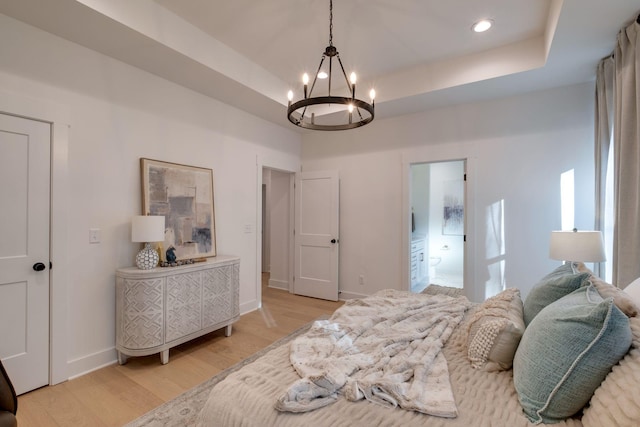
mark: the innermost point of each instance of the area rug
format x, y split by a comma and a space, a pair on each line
183, 410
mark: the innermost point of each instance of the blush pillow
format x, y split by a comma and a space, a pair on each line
630, 305
620, 297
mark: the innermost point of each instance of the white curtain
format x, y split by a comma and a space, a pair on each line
605, 88
626, 141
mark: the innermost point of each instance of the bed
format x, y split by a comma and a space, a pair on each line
481, 379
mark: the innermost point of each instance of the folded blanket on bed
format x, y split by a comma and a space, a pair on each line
385, 348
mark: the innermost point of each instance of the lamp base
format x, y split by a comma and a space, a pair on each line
147, 258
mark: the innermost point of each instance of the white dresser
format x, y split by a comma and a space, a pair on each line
166, 306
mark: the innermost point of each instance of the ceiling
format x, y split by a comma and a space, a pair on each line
418, 54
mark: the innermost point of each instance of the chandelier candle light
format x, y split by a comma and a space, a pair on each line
331, 109
147, 229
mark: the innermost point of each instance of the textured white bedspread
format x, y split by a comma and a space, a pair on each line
246, 397
385, 348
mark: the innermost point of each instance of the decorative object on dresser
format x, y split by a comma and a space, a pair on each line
184, 196
171, 254
162, 308
147, 229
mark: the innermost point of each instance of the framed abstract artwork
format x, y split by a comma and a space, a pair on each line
184, 196
453, 211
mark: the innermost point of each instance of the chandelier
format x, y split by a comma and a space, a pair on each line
330, 112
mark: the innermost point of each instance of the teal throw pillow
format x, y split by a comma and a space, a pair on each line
560, 282
566, 352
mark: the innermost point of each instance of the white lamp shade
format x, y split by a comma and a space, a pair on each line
147, 228
583, 246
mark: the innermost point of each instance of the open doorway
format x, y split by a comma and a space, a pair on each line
316, 258
437, 200
277, 197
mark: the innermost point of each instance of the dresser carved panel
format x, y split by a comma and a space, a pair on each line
219, 289
163, 307
184, 304
143, 300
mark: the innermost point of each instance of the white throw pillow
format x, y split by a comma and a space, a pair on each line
495, 330
633, 290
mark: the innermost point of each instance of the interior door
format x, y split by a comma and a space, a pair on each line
316, 234
24, 250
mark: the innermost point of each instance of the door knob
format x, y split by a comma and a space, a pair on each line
38, 266
334, 241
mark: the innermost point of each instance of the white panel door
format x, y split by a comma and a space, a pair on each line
24, 248
316, 234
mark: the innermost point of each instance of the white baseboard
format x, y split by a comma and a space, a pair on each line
92, 362
248, 307
345, 295
279, 284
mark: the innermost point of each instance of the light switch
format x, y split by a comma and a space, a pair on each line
94, 235
248, 228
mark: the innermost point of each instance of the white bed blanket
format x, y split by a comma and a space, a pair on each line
385, 348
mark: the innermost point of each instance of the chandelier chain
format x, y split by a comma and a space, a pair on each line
330, 22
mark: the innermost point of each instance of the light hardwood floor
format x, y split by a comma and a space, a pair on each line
115, 395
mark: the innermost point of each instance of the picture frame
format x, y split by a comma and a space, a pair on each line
184, 196
453, 208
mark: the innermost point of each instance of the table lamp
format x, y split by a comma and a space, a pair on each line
579, 246
147, 229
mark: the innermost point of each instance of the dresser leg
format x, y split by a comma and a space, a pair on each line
164, 357
227, 331
122, 358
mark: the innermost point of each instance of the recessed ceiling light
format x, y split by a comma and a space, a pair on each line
482, 25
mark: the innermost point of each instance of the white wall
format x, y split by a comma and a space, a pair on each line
118, 114
516, 150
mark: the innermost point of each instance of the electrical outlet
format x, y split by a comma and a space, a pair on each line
361, 280
94, 235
